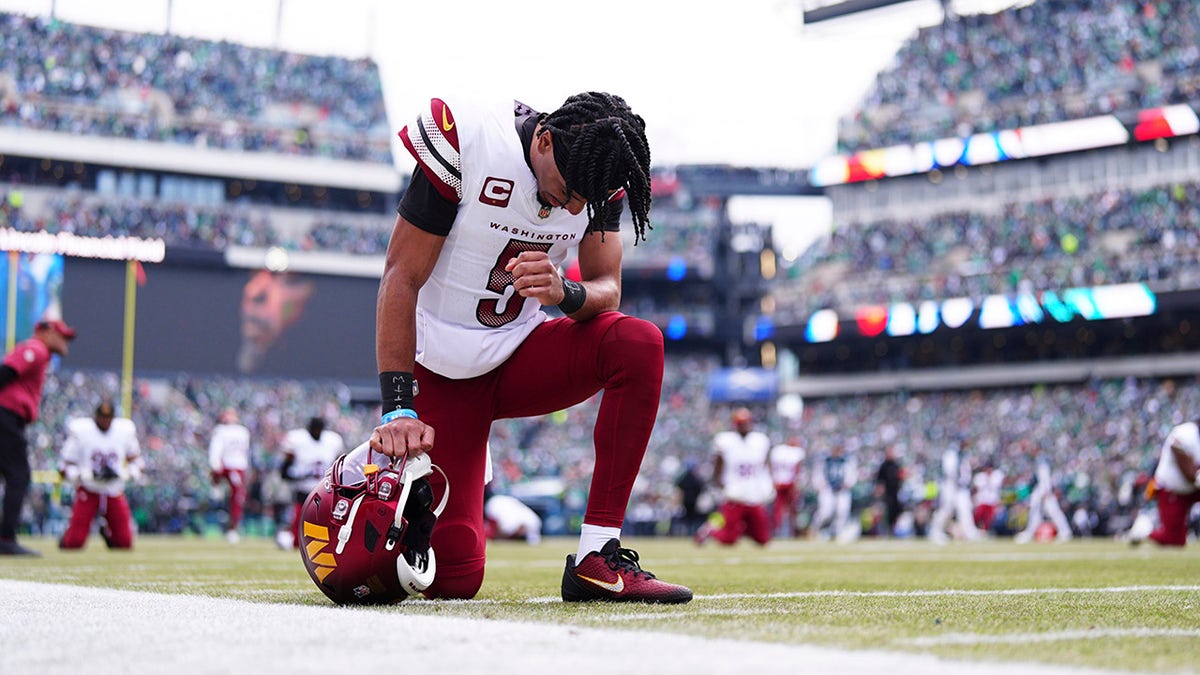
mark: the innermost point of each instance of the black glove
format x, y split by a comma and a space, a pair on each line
107, 472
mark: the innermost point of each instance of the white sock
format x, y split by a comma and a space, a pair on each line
593, 538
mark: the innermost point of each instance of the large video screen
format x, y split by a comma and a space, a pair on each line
29, 290
223, 320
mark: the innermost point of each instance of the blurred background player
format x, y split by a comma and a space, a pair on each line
307, 454
100, 454
786, 461
888, 480
228, 461
1176, 488
507, 517
692, 508
1043, 503
834, 480
741, 470
986, 487
22, 375
954, 499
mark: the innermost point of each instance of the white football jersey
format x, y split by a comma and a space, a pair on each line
115, 453
469, 320
313, 456
988, 486
229, 447
1167, 475
745, 475
510, 515
1043, 478
785, 460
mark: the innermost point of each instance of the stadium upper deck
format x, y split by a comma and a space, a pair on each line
1045, 62
85, 80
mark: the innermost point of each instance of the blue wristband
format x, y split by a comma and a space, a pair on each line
398, 413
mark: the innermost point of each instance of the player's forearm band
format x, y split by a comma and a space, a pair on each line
397, 414
397, 390
574, 295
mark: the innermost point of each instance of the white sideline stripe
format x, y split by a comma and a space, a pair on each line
63, 630
939, 554
1024, 638
919, 593
948, 592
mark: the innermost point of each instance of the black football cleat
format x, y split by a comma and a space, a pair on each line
11, 547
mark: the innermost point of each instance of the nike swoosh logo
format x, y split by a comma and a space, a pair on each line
447, 125
616, 586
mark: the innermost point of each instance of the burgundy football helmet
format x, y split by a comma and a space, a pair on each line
365, 528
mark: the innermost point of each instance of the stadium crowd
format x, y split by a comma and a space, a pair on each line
78, 79
1113, 236
1040, 63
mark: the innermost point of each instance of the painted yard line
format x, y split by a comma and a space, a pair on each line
817, 558
932, 555
919, 593
1058, 636
947, 592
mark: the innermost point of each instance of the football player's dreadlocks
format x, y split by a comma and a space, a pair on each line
599, 146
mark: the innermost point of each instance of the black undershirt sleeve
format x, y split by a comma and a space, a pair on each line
422, 206
7, 374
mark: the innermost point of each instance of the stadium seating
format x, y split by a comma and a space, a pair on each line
1045, 62
1108, 237
82, 79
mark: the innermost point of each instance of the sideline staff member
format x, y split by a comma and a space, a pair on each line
22, 374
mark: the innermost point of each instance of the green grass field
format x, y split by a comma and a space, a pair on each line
1099, 604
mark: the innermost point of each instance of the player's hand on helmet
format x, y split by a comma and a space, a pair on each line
535, 276
402, 437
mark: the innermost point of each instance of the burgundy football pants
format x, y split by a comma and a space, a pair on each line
1173, 511
88, 504
562, 363
743, 519
237, 495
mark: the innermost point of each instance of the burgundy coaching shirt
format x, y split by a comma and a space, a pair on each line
23, 395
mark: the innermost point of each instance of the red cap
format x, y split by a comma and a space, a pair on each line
58, 325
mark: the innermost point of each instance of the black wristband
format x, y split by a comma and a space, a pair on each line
574, 295
397, 390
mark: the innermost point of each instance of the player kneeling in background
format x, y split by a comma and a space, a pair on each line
1176, 488
100, 454
506, 517
741, 468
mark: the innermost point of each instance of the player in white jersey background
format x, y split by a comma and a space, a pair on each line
954, 500
986, 488
307, 454
228, 462
500, 196
1176, 487
101, 453
742, 471
787, 462
1043, 504
507, 517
